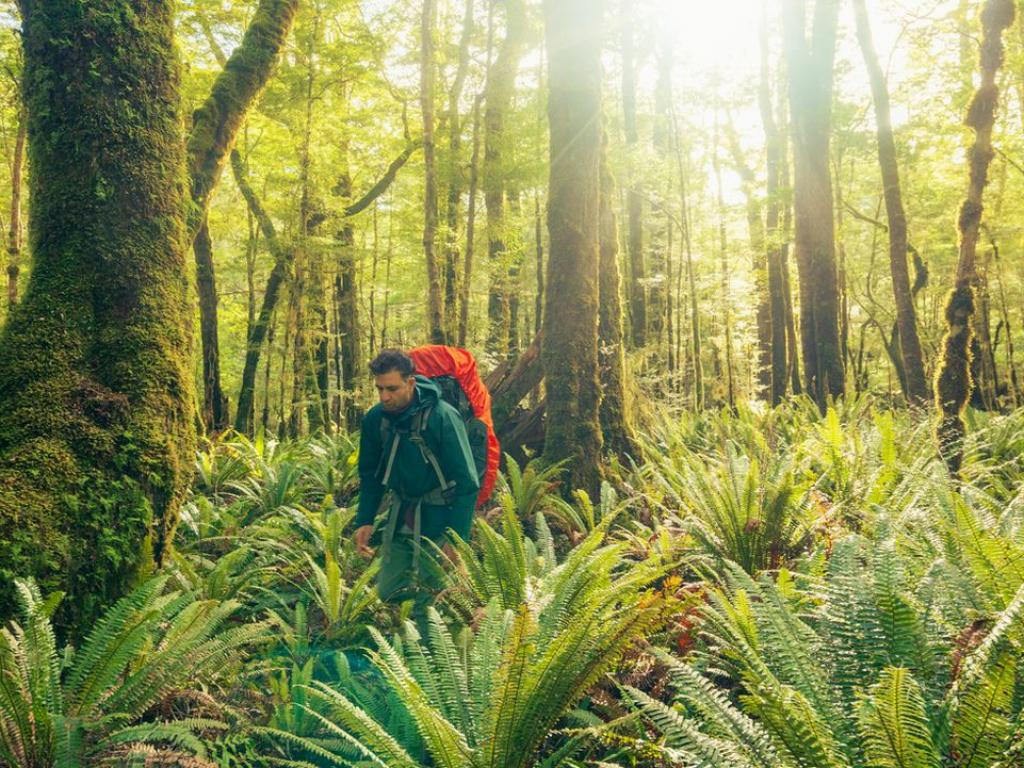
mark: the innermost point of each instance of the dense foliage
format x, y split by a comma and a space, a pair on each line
775, 588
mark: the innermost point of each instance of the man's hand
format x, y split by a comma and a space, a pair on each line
362, 540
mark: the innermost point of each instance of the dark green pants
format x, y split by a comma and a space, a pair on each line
399, 581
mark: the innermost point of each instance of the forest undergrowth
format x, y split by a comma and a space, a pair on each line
769, 588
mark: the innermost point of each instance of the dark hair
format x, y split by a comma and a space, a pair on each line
393, 360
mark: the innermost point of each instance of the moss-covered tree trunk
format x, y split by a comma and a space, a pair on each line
569, 352
953, 378
96, 417
906, 319
498, 98
810, 64
616, 411
14, 224
215, 402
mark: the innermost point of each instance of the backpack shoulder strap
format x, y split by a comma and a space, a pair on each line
419, 426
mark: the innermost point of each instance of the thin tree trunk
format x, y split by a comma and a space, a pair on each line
467, 267
616, 416
455, 178
759, 265
774, 153
810, 65
1014, 388
570, 345
634, 205
695, 335
910, 344
435, 295
346, 288
215, 402
14, 232
499, 89
283, 258
725, 306
953, 381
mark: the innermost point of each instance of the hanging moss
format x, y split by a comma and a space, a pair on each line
96, 411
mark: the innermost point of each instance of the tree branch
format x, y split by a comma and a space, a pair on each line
215, 124
384, 182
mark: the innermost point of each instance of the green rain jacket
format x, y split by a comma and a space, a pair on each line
413, 477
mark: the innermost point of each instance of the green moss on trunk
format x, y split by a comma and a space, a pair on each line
96, 411
569, 347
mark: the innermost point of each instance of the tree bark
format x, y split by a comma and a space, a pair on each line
435, 295
953, 380
96, 415
695, 333
498, 96
215, 402
759, 260
455, 178
773, 236
634, 197
810, 64
910, 344
14, 230
569, 351
347, 291
467, 265
283, 258
616, 410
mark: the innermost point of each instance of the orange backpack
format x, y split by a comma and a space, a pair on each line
454, 371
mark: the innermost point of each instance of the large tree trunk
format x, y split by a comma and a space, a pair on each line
500, 87
569, 351
96, 417
910, 344
435, 295
953, 381
810, 64
616, 411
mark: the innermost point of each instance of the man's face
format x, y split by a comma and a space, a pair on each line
395, 390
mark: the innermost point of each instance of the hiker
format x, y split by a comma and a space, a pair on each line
417, 471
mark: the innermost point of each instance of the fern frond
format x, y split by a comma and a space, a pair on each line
894, 724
